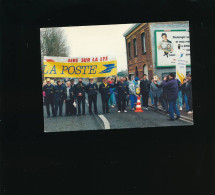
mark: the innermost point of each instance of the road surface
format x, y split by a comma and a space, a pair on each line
112, 120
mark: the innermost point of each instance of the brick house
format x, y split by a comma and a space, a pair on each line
140, 48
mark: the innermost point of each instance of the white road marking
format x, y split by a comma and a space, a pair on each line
105, 121
186, 120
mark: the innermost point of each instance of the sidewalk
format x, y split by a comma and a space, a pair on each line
183, 112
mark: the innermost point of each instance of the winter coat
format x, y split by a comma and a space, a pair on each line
171, 87
144, 86
132, 88
188, 88
156, 91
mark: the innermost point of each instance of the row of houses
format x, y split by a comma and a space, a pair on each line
152, 48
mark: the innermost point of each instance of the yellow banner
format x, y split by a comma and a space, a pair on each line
90, 69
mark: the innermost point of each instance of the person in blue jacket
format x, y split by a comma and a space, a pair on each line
92, 91
58, 98
171, 87
49, 96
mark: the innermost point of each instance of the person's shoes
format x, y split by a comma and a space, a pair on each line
170, 119
112, 106
119, 111
125, 111
178, 117
180, 108
190, 112
132, 109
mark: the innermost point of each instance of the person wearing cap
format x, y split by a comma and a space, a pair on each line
48, 88
92, 91
104, 90
80, 88
63, 84
123, 91
58, 98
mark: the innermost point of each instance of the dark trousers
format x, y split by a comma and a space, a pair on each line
49, 101
121, 103
105, 106
68, 107
58, 103
92, 99
190, 102
81, 100
145, 97
73, 108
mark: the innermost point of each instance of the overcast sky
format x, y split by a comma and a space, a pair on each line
102, 40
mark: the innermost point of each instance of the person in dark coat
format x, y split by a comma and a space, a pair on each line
188, 91
144, 90
171, 87
48, 88
104, 90
184, 96
80, 88
92, 91
123, 91
73, 97
58, 98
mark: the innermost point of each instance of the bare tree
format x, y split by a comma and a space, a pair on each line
52, 43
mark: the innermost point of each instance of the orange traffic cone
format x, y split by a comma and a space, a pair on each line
138, 105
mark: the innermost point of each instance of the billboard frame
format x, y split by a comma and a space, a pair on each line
156, 60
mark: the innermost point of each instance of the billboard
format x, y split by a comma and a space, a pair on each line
168, 44
79, 66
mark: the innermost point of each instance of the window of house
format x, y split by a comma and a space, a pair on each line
143, 38
135, 47
129, 50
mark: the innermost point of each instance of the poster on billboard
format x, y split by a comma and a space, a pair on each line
79, 66
167, 45
181, 66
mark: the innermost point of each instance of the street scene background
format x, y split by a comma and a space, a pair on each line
109, 40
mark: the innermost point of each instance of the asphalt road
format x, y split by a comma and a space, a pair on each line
113, 120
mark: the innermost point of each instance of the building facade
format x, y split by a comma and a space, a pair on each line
138, 48
141, 48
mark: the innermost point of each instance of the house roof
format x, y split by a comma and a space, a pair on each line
131, 29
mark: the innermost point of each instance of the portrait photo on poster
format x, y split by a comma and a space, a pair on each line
119, 76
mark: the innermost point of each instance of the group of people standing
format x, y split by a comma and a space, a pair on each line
117, 92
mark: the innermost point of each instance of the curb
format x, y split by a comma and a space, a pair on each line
182, 117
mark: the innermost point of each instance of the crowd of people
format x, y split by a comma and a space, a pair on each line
116, 92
